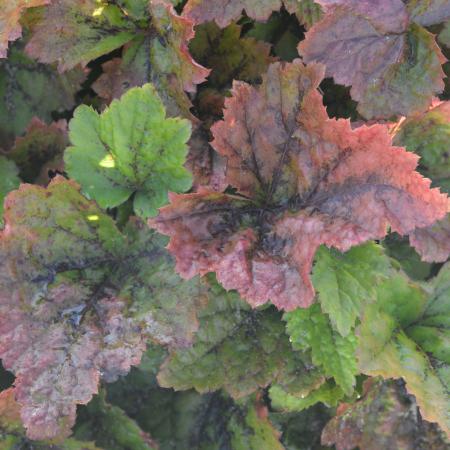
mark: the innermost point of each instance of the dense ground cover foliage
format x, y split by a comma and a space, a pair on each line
224, 224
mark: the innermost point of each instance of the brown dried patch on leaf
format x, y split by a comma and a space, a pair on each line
304, 180
392, 63
10, 28
79, 301
40, 150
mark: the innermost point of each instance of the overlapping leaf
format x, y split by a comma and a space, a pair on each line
303, 180
428, 135
78, 300
235, 348
384, 418
406, 334
29, 89
130, 148
8, 181
10, 28
73, 33
378, 48
224, 12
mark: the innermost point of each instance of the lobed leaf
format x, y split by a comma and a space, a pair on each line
303, 180
385, 417
392, 64
10, 28
79, 300
130, 148
405, 335
310, 330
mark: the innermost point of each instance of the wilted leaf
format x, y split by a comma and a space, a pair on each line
10, 12
327, 393
392, 64
236, 348
310, 330
39, 149
406, 335
385, 418
29, 89
79, 300
303, 180
8, 181
130, 148
345, 283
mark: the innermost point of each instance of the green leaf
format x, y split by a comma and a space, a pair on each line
236, 348
84, 298
8, 181
328, 393
111, 428
131, 148
29, 89
406, 335
311, 330
345, 282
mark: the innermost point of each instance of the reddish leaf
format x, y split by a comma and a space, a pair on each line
393, 65
429, 12
79, 300
304, 180
10, 12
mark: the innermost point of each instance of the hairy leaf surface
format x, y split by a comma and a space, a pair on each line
384, 418
10, 28
303, 180
78, 300
392, 64
405, 334
129, 148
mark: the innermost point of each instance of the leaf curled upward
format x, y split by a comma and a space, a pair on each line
79, 300
380, 49
303, 180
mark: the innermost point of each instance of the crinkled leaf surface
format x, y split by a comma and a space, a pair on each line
235, 348
392, 64
303, 180
78, 300
29, 89
346, 282
384, 418
78, 32
8, 181
129, 148
12, 434
428, 135
39, 149
310, 330
10, 28
158, 45
405, 334
225, 11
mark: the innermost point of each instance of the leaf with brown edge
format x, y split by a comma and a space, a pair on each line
391, 62
10, 28
303, 180
79, 300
